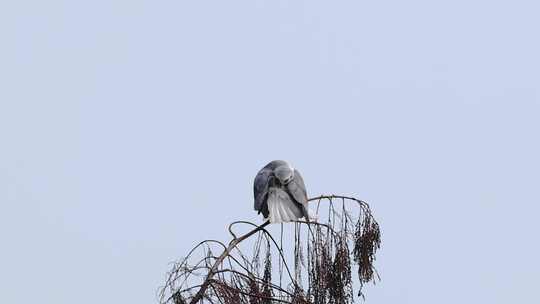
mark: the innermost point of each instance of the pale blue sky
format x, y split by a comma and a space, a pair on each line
129, 130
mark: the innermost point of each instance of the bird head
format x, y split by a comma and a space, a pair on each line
284, 174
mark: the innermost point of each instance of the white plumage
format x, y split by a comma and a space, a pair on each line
282, 209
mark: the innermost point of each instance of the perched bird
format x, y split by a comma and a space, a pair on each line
280, 193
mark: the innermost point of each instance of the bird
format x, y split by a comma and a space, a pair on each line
280, 193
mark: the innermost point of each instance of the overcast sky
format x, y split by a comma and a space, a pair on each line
130, 130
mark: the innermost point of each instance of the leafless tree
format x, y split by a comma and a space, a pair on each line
318, 270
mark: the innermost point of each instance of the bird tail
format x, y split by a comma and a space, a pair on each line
281, 209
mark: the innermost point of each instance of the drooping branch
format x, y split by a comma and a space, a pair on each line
323, 254
220, 259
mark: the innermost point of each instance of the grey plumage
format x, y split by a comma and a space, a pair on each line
280, 193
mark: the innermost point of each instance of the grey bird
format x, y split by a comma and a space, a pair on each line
280, 193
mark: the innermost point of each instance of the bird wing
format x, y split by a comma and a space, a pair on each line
297, 190
260, 187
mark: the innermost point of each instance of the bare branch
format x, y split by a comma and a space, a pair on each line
322, 258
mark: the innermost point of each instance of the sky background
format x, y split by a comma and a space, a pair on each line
130, 130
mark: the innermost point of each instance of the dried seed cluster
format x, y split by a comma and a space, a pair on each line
322, 262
